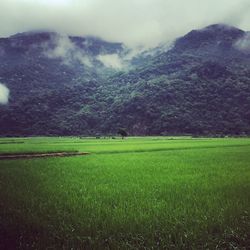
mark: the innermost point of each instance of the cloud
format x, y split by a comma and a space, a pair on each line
244, 43
4, 94
63, 47
111, 61
66, 50
133, 22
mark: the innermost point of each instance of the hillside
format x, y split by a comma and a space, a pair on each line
62, 85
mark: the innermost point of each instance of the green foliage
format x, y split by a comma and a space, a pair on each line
122, 132
197, 88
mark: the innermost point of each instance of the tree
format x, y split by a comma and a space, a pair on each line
122, 132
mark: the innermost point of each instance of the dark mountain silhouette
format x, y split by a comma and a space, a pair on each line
62, 85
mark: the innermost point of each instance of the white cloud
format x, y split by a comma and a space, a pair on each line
4, 94
244, 43
111, 61
83, 59
63, 47
66, 50
134, 22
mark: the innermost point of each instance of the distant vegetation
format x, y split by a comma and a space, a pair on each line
122, 132
201, 86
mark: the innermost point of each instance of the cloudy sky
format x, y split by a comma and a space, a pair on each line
134, 22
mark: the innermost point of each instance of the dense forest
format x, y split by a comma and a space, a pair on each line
200, 85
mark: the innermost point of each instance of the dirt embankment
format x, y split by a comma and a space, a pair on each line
40, 155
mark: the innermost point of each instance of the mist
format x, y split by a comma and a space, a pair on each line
133, 22
67, 51
111, 61
4, 94
244, 43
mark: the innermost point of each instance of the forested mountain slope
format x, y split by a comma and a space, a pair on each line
62, 85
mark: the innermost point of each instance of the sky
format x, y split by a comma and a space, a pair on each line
133, 22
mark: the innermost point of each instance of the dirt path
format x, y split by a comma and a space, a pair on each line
39, 155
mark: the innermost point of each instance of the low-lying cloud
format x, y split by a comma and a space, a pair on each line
133, 22
111, 61
244, 43
4, 94
66, 50
61, 47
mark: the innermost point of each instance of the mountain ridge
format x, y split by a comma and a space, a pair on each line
200, 85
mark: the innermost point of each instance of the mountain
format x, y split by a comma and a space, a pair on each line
200, 86
51, 77
62, 85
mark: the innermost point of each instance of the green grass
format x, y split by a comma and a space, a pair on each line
138, 193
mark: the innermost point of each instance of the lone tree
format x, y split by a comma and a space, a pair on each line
122, 132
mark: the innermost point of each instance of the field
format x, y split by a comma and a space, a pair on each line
137, 193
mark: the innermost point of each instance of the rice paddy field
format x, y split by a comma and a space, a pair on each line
136, 193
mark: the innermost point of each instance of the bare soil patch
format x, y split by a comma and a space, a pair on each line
40, 155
